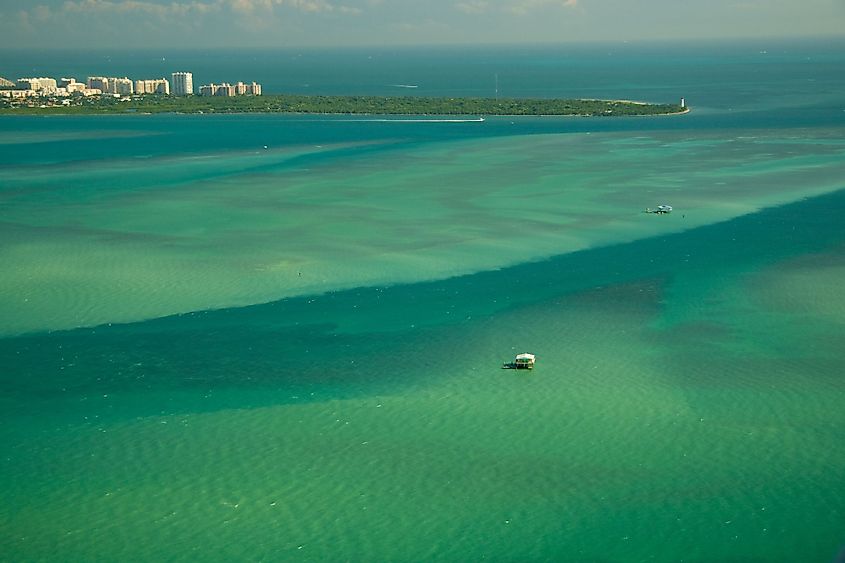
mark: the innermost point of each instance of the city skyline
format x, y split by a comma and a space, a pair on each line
331, 23
31, 91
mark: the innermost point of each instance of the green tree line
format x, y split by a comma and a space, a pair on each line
376, 105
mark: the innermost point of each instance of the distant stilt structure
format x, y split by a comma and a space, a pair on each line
522, 361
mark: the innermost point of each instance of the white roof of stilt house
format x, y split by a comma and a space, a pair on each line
525, 357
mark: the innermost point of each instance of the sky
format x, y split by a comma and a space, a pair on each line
331, 23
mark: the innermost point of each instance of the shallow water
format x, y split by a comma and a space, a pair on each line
215, 404
134, 238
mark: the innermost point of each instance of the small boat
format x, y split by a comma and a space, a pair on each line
661, 209
522, 361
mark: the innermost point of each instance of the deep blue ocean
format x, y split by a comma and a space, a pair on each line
728, 74
743, 85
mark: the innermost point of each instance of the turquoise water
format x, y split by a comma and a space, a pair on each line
212, 350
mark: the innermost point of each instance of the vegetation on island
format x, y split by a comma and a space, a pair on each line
373, 105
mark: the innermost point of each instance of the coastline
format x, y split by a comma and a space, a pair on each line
347, 105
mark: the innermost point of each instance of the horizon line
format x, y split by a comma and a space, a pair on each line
444, 45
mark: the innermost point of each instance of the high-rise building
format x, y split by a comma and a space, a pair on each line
28, 84
157, 86
212, 89
111, 85
43, 85
122, 86
98, 83
183, 83
226, 89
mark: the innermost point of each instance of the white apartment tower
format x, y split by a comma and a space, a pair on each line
45, 85
156, 86
122, 86
183, 83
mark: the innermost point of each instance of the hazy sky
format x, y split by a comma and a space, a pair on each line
209, 23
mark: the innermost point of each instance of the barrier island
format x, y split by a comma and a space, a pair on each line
341, 105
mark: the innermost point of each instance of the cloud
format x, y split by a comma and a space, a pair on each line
522, 7
473, 6
24, 21
139, 6
251, 6
264, 15
320, 6
42, 13
519, 7
147, 22
195, 7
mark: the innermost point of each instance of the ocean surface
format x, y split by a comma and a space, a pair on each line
279, 337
